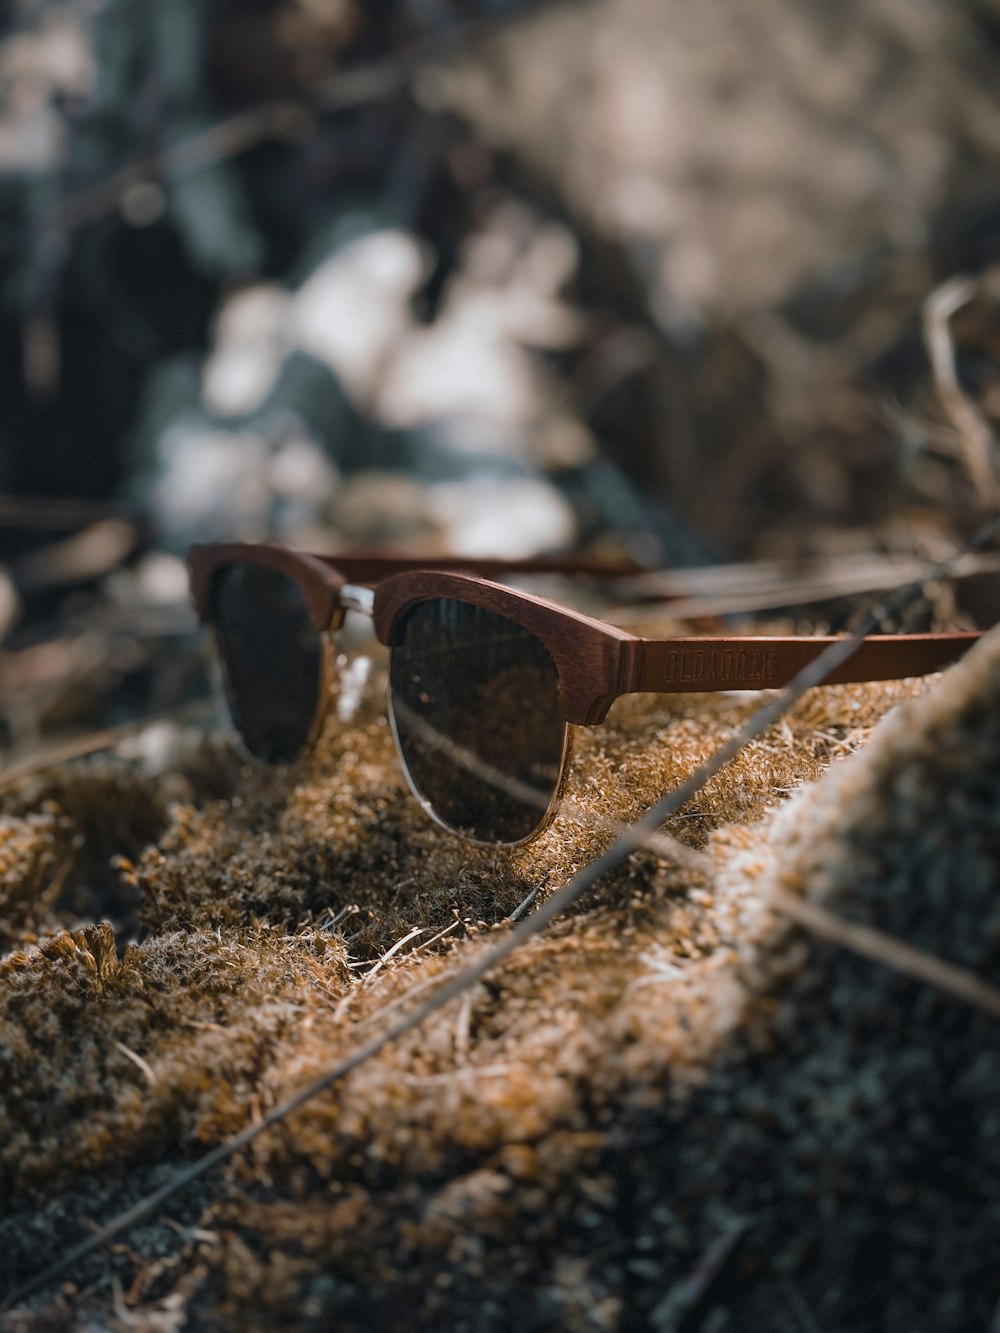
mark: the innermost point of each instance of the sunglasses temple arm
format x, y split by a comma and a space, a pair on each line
372, 568
677, 666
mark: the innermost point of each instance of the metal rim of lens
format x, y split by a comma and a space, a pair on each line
545, 819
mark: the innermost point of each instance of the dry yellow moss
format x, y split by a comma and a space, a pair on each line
460, 1167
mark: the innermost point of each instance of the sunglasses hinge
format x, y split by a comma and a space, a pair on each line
354, 598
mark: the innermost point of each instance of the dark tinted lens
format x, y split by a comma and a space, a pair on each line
272, 659
475, 703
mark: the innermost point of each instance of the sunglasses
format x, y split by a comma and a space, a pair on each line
484, 681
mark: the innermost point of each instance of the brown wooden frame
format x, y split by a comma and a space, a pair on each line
321, 576
596, 662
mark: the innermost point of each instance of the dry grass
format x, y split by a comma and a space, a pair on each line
517, 1157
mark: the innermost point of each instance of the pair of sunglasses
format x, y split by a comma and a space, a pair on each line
484, 681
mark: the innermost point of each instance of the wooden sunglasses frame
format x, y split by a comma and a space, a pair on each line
596, 662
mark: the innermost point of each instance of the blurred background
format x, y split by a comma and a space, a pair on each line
694, 284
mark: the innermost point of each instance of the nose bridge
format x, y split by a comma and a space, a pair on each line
354, 597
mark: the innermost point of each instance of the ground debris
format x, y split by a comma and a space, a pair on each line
543, 1153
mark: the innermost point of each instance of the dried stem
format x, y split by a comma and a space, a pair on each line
975, 435
891, 952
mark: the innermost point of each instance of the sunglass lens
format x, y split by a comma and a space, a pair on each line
475, 709
271, 658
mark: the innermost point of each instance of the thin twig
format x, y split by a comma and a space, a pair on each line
974, 433
740, 589
96, 741
663, 845
49, 512
801, 1312
429, 944
675, 1311
93, 551
891, 952
391, 953
143, 1065
463, 1029
523, 905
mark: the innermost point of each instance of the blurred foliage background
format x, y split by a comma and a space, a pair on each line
489, 276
